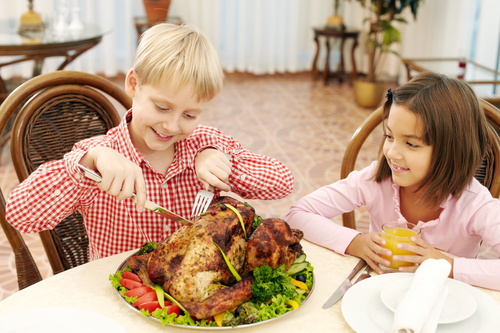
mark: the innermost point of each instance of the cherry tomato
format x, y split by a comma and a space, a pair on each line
148, 297
130, 284
138, 291
131, 276
173, 309
150, 306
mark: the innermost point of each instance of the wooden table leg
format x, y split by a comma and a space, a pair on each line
340, 70
354, 72
76, 53
327, 59
314, 68
37, 66
408, 72
3, 90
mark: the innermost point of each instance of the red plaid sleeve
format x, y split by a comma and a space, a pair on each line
57, 188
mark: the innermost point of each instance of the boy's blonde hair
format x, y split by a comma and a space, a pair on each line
182, 53
454, 125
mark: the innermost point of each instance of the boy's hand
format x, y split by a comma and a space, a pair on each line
120, 177
368, 246
213, 168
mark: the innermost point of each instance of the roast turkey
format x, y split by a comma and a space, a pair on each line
189, 264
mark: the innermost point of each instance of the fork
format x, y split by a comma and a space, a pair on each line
365, 275
204, 198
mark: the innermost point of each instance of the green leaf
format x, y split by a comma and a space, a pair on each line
160, 295
173, 300
231, 268
270, 282
239, 217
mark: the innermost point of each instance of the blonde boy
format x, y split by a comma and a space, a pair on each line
159, 151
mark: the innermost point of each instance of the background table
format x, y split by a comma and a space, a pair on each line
38, 46
87, 287
328, 33
484, 80
142, 24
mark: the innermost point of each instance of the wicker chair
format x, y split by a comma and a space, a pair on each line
27, 271
52, 112
488, 174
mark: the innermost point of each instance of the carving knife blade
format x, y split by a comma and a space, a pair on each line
341, 290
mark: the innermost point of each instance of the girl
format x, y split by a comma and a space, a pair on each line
436, 135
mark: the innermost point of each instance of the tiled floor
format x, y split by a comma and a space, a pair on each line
293, 118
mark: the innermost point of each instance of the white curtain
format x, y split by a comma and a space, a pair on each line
257, 36
443, 28
272, 36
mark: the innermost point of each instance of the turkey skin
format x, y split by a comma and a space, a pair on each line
190, 266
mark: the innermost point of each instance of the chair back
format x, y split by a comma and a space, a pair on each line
52, 112
488, 173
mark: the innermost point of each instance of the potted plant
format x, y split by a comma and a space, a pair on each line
382, 34
156, 10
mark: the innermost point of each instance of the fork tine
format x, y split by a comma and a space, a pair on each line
204, 206
196, 204
204, 198
202, 202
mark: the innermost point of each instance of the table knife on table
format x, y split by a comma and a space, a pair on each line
149, 205
341, 290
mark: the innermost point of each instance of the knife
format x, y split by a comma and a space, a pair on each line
91, 174
341, 290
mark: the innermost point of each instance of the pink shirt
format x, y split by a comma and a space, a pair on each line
460, 228
58, 188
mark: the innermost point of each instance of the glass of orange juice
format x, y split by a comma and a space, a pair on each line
398, 232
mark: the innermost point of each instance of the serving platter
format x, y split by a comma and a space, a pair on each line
216, 328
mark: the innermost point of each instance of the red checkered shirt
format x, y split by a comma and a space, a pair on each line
58, 188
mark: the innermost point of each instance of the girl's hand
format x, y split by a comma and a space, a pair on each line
120, 177
213, 168
368, 246
423, 251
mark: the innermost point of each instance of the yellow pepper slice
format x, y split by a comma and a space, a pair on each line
219, 317
299, 284
292, 303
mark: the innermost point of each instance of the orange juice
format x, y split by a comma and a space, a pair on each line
398, 232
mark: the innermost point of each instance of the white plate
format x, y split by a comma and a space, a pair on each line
459, 305
364, 311
58, 320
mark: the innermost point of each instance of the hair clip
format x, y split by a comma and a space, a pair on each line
389, 95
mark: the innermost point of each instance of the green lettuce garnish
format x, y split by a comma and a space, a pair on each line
271, 282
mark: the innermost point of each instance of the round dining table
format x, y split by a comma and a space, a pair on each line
36, 46
87, 288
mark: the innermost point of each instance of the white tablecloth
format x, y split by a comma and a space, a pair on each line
87, 287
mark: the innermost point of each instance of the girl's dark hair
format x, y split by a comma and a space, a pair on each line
454, 125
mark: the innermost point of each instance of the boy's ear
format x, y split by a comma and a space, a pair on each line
131, 83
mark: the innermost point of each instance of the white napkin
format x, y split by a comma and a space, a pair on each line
421, 306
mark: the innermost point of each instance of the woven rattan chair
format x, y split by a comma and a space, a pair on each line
52, 112
27, 271
488, 174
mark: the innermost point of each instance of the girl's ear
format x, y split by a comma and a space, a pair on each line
131, 84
